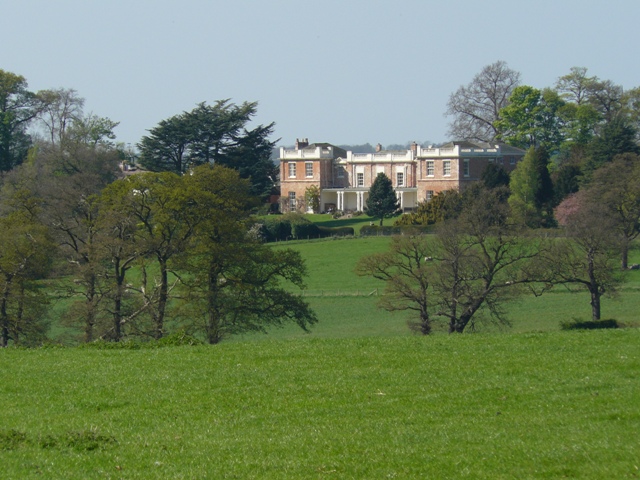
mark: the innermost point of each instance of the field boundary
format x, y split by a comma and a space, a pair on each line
340, 293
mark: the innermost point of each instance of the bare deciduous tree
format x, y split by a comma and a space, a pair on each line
586, 257
407, 270
616, 186
476, 107
60, 108
475, 264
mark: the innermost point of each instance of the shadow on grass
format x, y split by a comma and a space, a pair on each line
356, 222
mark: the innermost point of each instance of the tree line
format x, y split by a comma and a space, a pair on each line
580, 173
481, 256
575, 127
176, 248
118, 257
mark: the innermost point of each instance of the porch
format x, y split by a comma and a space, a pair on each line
355, 199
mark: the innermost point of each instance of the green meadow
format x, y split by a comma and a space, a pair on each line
359, 397
346, 303
544, 405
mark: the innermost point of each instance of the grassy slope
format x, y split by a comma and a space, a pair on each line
478, 406
331, 266
358, 398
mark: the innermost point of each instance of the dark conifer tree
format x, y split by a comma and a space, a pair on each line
382, 201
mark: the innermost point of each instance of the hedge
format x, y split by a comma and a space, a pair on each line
376, 230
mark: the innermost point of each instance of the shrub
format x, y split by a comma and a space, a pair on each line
178, 339
335, 231
275, 228
105, 345
376, 230
589, 325
303, 230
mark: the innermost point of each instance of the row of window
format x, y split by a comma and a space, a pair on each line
430, 171
399, 179
308, 169
446, 168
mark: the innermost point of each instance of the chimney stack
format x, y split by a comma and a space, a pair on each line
414, 148
301, 143
378, 148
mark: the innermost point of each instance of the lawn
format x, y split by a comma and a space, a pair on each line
358, 397
547, 405
332, 285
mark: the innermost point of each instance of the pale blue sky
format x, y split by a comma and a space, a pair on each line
338, 71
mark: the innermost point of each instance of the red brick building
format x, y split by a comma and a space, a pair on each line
344, 178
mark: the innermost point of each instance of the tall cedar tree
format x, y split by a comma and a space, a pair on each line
617, 137
382, 201
213, 134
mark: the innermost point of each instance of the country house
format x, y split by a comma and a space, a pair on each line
344, 178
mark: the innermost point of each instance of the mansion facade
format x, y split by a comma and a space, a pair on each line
344, 178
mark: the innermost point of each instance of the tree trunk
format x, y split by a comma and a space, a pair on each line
162, 300
456, 326
90, 319
594, 289
117, 315
214, 331
425, 322
624, 254
4, 316
117, 303
595, 304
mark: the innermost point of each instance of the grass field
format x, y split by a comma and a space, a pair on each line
360, 397
553, 405
346, 303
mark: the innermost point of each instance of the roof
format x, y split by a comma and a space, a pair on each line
504, 148
341, 152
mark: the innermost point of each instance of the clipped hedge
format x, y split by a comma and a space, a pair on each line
377, 230
280, 228
305, 230
336, 231
589, 325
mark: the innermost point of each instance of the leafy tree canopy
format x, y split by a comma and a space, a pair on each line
18, 107
532, 118
213, 134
